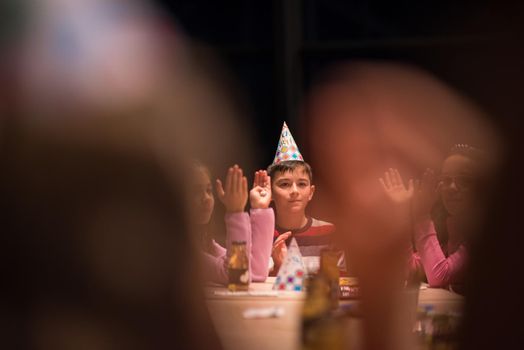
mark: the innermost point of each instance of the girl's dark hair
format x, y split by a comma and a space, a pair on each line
59, 200
196, 164
439, 214
206, 240
466, 150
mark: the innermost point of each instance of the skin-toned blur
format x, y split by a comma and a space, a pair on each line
367, 117
107, 100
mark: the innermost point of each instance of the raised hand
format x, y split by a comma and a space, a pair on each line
426, 195
234, 194
279, 251
260, 194
394, 188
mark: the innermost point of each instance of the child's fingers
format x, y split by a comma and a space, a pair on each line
286, 234
229, 180
278, 244
260, 178
388, 179
256, 179
283, 252
411, 185
398, 178
240, 180
244, 185
235, 179
265, 179
279, 239
393, 177
283, 237
279, 248
384, 187
219, 189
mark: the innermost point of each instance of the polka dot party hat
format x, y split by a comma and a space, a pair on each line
292, 272
287, 149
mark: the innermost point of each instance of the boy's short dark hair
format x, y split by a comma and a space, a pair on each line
290, 165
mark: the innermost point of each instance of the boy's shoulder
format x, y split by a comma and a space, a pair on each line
319, 227
314, 227
318, 223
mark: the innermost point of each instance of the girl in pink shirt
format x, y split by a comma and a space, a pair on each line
442, 215
256, 229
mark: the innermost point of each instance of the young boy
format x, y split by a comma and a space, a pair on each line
292, 190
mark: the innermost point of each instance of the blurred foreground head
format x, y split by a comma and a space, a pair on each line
76, 64
365, 118
97, 249
109, 103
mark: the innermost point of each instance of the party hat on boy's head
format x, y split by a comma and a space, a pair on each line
287, 149
291, 273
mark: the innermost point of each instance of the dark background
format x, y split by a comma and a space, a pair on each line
276, 49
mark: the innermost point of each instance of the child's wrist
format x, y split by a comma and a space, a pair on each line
234, 210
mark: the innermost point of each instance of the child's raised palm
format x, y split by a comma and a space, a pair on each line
260, 194
234, 195
394, 188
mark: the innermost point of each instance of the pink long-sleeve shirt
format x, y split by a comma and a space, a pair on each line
441, 271
256, 229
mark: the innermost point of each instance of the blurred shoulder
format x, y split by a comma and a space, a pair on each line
328, 226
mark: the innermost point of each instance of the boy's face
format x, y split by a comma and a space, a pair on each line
292, 191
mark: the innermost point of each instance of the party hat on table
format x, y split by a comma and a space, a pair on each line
291, 273
287, 149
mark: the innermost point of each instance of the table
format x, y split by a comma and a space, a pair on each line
236, 332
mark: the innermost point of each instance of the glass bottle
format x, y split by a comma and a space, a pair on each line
238, 267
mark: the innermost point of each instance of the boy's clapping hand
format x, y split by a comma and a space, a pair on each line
280, 250
234, 195
260, 194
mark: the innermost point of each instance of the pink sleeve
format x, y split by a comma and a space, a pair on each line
262, 228
215, 264
217, 250
414, 263
238, 228
440, 271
